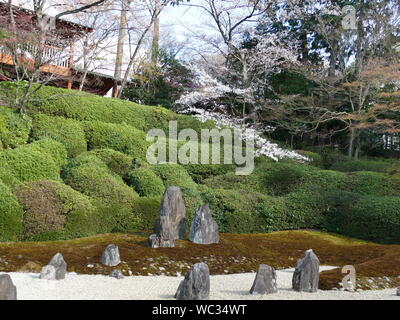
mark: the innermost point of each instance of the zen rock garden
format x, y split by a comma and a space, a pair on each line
172, 222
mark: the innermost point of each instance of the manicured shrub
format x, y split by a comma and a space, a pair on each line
360, 165
283, 178
116, 161
53, 148
98, 182
123, 138
33, 162
315, 158
200, 172
55, 211
234, 211
364, 217
250, 183
372, 183
66, 131
14, 129
145, 182
11, 215
148, 208
176, 175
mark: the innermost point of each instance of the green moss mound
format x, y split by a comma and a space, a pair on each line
116, 161
11, 214
14, 129
66, 131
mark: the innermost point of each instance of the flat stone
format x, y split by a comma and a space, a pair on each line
204, 229
110, 256
8, 291
116, 274
265, 281
306, 274
60, 265
196, 285
48, 273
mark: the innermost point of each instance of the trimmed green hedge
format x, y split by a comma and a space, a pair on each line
66, 131
39, 160
123, 138
11, 215
148, 209
55, 211
14, 129
116, 161
360, 165
145, 182
372, 183
370, 218
99, 182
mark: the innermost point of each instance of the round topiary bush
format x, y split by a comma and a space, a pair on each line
98, 182
148, 208
14, 129
39, 160
123, 138
116, 161
55, 211
66, 131
11, 214
145, 182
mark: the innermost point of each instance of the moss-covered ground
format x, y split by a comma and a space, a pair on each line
377, 266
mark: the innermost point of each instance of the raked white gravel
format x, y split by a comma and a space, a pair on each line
223, 287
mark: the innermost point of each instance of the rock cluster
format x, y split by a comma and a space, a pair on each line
196, 285
265, 281
110, 256
8, 291
204, 230
172, 222
306, 274
56, 269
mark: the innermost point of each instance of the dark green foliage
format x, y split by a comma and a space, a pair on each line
39, 160
66, 131
200, 172
14, 129
123, 138
365, 217
362, 165
11, 215
372, 183
283, 178
148, 209
231, 181
55, 211
145, 182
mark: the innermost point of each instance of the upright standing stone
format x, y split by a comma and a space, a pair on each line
204, 230
169, 227
306, 274
196, 285
48, 273
7, 289
265, 281
56, 269
398, 291
110, 256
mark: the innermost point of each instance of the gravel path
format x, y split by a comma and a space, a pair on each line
223, 287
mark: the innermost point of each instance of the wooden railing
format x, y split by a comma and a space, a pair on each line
52, 56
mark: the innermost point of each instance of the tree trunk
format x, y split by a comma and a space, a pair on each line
351, 143
156, 36
120, 46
